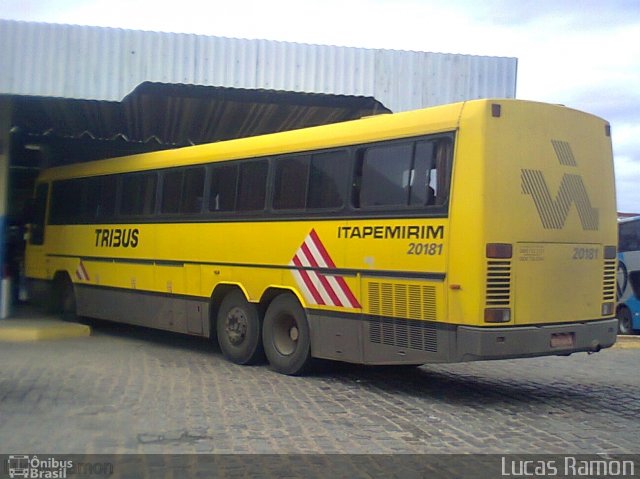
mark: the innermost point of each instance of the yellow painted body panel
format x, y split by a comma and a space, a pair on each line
550, 285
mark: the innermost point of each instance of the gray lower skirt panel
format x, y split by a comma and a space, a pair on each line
378, 340
171, 313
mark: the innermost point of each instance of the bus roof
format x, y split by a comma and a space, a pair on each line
368, 129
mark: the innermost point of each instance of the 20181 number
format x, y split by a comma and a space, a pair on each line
430, 249
585, 253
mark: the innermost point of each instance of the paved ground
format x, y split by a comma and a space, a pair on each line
126, 390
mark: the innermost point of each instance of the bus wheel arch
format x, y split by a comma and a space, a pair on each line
624, 320
237, 324
286, 335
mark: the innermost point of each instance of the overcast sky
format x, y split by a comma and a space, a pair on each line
582, 53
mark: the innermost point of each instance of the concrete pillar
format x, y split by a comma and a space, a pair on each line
5, 132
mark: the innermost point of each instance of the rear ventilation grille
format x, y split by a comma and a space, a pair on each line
409, 301
498, 283
402, 333
609, 281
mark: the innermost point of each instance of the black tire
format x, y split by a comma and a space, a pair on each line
286, 336
62, 300
68, 302
624, 321
239, 330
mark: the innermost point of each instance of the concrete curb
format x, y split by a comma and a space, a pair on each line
627, 342
19, 330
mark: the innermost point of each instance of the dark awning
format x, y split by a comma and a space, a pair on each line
158, 116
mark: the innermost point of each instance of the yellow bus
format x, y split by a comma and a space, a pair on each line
478, 230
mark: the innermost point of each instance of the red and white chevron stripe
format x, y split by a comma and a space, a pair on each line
81, 272
318, 287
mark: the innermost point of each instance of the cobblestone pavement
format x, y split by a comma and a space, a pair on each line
126, 390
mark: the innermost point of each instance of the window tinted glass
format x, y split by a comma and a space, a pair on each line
290, 183
192, 191
171, 191
39, 210
327, 179
630, 236
423, 177
138, 194
412, 174
253, 185
386, 174
100, 194
222, 187
441, 177
66, 202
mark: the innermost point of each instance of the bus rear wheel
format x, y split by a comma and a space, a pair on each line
239, 330
286, 336
624, 321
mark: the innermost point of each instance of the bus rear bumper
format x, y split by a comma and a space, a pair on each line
474, 343
381, 340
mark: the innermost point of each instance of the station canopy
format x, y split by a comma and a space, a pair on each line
157, 116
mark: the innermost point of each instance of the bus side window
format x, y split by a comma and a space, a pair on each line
100, 198
36, 232
182, 190
192, 190
386, 175
171, 191
327, 179
222, 187
290, 182
66, 202
252, 188
138, 194
423, 185
443, 165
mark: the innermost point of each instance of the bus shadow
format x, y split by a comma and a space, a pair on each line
158, 337
453, 386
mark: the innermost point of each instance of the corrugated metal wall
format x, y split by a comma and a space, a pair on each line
106, 64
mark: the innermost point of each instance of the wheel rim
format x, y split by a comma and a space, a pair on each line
236, 325
285, 334
625, 325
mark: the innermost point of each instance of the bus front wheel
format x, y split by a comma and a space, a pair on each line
63, 298
239, 330
624, 321
287, 340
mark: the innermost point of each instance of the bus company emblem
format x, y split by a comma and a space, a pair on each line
553, 212
317, 286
